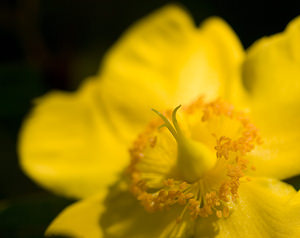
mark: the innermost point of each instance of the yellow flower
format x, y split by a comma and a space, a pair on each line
212, 170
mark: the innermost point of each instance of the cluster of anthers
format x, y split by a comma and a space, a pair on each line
198, 198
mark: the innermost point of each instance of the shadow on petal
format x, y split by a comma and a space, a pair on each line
125, 217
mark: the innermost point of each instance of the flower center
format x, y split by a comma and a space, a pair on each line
197, 162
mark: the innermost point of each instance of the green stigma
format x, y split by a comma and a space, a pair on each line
194, 159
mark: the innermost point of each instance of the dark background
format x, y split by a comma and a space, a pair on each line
54, 44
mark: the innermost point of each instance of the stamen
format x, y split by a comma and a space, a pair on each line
201, 194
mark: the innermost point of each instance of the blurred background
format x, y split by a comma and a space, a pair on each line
54, 44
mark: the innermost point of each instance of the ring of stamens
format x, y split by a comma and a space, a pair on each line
230, 152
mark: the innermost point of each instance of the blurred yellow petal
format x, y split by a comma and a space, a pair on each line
165, 60
76, 144
263, 210
119, 215
271, 73
68, 146
231, 54
292, 214
278, 156
81, 219
272, 67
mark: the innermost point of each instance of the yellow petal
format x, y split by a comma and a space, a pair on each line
278, 155
263, 210
272, 67
266, 208
271, 73
291, 215
119, 215
68, 146
231, 54
165, 60
76, 145
81, 219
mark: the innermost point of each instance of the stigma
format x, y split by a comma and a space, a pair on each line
195, 157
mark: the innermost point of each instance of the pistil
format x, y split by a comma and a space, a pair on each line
194, 158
